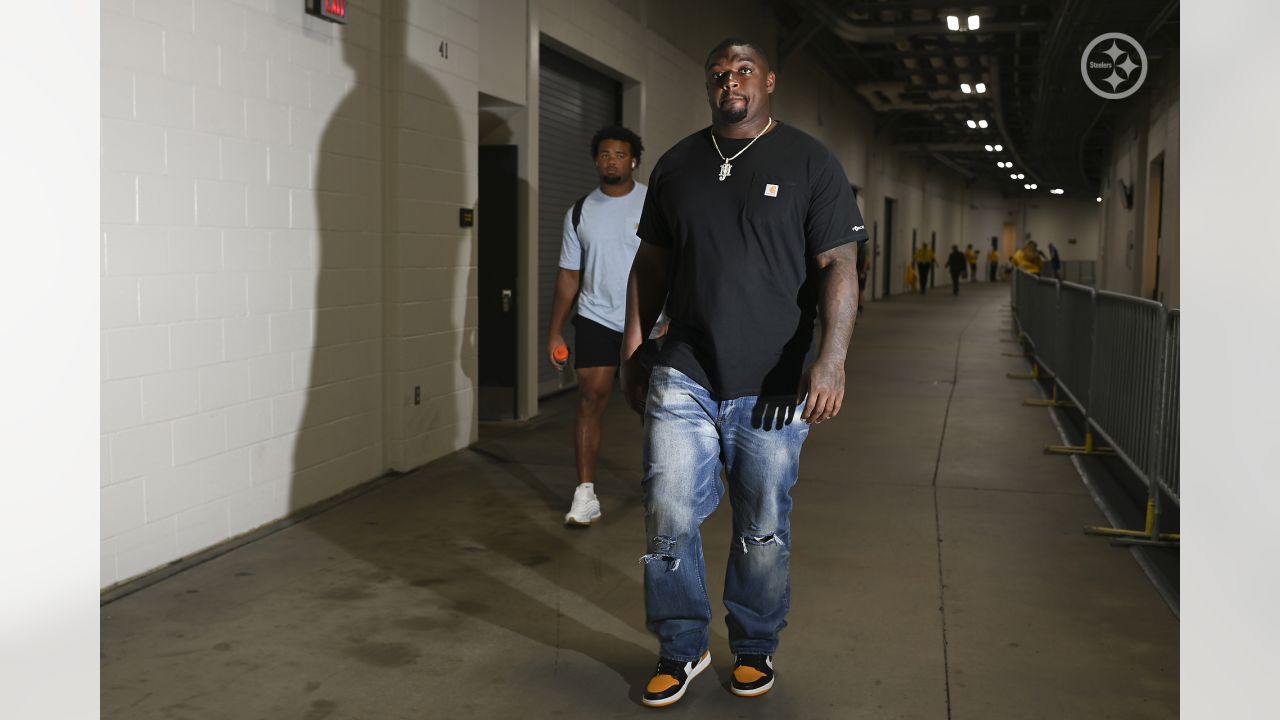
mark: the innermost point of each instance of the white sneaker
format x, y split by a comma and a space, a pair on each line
586, 506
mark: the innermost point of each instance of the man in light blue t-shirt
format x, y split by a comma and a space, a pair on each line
599, 244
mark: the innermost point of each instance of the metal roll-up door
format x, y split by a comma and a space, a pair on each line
574, 102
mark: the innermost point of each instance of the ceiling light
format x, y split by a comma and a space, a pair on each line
1013, 176
980, 87
964, 88
999, 148
1021, 176
1000, 164
988, 147
982, 124
1025, 186
1099, 199
973, 22
972, 124
953, 22
1034, 186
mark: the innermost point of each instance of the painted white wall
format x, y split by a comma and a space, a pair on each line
1056, 219
986, 215
261, 332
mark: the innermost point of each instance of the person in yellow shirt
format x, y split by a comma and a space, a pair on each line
993, 265
1029, 258
924, 261
971, 257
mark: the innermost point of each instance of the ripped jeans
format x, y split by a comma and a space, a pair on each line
688, 437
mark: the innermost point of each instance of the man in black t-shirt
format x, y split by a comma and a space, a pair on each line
747, 234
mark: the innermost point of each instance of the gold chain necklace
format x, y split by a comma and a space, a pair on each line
727, 168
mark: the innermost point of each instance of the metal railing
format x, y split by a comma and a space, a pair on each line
1115, 357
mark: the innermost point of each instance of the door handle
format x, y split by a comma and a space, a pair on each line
506, 300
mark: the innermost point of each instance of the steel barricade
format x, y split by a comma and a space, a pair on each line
1073, 370
1116, 357
1044, 321
1167, 444
1024, 306
1126, 374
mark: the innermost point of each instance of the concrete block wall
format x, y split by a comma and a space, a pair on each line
433, 77
254, 334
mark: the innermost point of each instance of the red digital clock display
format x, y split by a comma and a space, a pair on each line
332, 10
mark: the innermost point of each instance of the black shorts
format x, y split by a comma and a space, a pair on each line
597, 345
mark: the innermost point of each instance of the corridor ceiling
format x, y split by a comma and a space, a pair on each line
903, 60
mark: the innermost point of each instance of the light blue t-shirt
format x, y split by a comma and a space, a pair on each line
602, 249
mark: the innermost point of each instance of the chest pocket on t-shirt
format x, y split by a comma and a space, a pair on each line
773, 203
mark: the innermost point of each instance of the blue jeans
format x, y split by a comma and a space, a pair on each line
688, 437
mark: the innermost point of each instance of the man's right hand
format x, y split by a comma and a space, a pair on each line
556, 340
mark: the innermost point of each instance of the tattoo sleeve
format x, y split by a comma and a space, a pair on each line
837, 300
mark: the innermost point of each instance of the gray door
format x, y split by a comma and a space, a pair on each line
574, 102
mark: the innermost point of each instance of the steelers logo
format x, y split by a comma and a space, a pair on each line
1113, 66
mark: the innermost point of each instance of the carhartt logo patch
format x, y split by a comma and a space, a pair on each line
771, 190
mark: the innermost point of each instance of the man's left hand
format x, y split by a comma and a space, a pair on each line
824, 383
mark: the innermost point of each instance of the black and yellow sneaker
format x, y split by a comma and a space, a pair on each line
671, 679
752, 675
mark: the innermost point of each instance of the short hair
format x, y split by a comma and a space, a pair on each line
729, 42
617, 132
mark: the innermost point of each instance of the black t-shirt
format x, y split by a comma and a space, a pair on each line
743, 292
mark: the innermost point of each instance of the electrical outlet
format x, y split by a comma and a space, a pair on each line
417, 394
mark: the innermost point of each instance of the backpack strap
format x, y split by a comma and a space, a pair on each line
577, 211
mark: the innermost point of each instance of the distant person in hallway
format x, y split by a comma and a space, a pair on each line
971, 257
1028, 258
993, 265
596, 250
956, 265
924, 262
748, 233
1055, 262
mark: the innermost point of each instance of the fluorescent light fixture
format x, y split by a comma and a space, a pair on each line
972, 125
980, 87
973, 22
988, 147
982, 124
964, 88
953, 22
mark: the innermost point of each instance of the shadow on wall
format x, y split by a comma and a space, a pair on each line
392, 312
391, 308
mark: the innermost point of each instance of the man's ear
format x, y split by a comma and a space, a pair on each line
769, 81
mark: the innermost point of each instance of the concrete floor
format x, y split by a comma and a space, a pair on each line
939, 572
